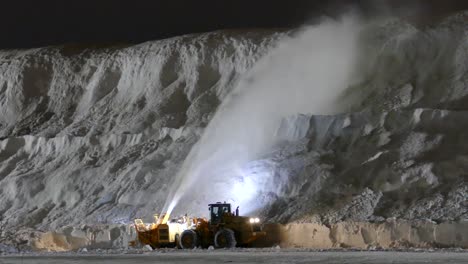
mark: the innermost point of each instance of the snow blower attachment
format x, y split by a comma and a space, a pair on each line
162, 232
225, 229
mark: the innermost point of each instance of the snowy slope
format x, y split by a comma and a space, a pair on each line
96, 135
404, 153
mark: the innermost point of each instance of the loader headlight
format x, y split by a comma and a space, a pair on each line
254, 220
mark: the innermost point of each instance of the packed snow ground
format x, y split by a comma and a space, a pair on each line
251, 257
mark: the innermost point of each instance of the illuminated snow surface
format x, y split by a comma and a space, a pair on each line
253, 257
341, 121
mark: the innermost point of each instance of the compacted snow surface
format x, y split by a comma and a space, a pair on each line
253, 257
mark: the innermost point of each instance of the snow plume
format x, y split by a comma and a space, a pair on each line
305, 73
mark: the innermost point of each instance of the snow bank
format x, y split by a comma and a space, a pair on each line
89, 237
389, 234
365, 235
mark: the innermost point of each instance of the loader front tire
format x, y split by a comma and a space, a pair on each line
188, 239
225, 238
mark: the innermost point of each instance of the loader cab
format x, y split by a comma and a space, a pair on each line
217, 210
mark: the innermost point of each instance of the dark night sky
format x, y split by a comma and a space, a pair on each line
34, 23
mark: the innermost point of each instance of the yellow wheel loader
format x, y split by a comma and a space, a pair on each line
225, 229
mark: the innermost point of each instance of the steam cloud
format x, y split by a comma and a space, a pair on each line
303, 74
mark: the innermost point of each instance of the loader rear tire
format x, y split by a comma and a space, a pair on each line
188, 239
225, 238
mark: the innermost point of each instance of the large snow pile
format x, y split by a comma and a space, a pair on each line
96, 135
99, 135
